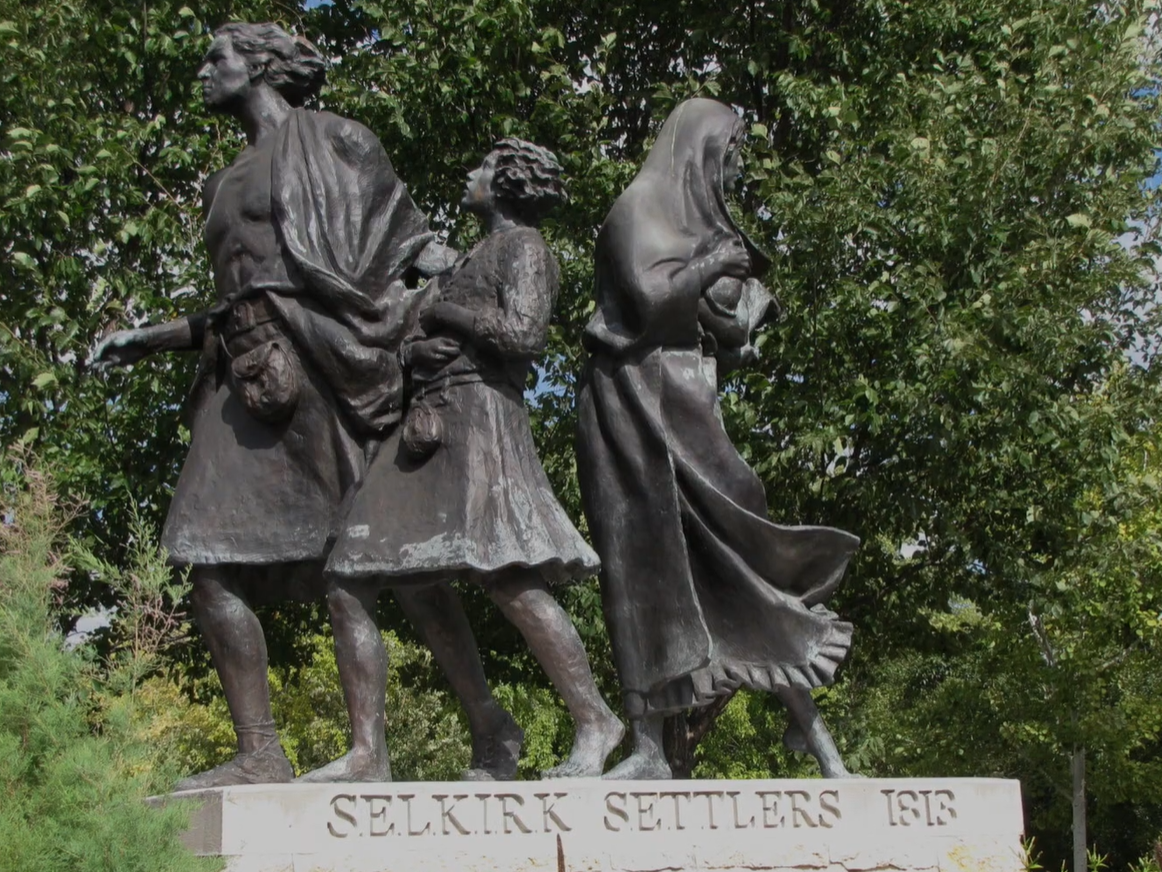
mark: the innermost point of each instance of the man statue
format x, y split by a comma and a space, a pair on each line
310, 235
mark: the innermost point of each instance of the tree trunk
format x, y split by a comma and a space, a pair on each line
679, 748
1080, 857
685, 730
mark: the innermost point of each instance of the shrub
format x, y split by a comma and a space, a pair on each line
74, 766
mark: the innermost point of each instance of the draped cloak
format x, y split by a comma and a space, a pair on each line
702, 594
347, 230
351, 229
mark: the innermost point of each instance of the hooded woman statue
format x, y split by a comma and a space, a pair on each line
702, 593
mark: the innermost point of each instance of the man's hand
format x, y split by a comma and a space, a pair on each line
120, 349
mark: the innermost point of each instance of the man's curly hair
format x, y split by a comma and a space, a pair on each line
528, 177
290, 64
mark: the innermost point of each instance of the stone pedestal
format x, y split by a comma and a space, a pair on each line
589, 825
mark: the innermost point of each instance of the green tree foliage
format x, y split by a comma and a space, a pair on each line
104, 148
74, 766
1028, 684
946, 187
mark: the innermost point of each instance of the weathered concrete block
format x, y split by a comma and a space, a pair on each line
588, 825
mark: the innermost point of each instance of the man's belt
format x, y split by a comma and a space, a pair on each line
244, 315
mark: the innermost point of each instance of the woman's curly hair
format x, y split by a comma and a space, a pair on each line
528, 177
290, 64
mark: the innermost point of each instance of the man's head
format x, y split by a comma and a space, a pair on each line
243, 57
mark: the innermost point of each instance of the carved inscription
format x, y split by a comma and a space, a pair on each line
919, 808
366, 815
675, 810
723, 807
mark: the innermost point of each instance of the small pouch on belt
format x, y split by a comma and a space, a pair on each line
423, 431
266, 380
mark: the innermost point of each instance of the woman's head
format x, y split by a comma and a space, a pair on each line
701, 141
680, 191
242, 55
524, 177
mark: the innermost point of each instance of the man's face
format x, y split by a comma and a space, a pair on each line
478, 194
224, 74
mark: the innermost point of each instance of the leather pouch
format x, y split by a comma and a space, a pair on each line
266, 380
423, 431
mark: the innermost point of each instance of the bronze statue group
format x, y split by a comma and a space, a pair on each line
358, 423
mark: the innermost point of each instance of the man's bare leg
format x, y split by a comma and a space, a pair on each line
238, 650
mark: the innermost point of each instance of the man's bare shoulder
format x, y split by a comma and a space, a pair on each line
210, 188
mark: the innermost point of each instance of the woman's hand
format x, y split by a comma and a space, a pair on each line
733, 259
727, 259
433, 353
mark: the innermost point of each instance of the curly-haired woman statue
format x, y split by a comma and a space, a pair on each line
459, 490
702, 593
308, 232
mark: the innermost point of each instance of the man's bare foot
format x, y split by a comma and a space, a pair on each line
351, 767
591, 746
495, 755
267, 766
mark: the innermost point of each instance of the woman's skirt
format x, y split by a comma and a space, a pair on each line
702, 594
481, 504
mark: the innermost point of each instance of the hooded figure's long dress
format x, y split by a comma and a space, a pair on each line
702, 594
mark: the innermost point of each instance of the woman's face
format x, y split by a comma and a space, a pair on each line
478, 194
732, 166
224, 74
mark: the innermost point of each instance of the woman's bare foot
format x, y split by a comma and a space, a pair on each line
648, 760
640, 766
591, 746
831, 767
808, 732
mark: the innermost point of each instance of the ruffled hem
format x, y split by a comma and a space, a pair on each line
724, 676
554, 572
